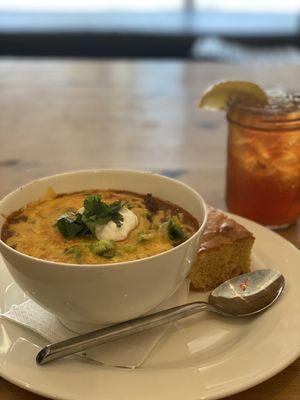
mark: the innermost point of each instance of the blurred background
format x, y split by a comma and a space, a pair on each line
236, 31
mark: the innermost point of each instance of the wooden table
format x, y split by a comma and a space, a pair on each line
63, 115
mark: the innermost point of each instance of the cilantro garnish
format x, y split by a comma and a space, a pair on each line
102, 213
175, 231
70, 225
96, 212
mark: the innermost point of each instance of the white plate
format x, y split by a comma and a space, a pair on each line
204, 357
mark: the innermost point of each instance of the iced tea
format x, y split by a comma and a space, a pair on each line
263, 164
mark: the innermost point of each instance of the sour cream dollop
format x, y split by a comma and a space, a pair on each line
111, 231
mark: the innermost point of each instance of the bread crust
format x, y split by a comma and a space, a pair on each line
224, 252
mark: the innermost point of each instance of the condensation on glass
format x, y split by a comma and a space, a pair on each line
263, 159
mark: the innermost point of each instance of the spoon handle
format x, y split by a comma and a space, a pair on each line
83, 342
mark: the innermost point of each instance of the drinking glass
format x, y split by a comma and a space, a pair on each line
263, 160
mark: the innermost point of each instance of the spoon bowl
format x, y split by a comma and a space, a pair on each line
242, 296
247, 294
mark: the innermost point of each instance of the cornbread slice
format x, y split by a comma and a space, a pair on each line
225, 249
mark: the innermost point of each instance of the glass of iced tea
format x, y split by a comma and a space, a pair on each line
263, 159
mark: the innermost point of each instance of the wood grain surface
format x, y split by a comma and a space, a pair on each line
58, 115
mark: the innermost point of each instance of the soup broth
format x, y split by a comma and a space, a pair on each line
97, 227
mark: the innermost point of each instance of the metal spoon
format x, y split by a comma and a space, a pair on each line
242, 296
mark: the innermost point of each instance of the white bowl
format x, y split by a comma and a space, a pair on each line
87, 296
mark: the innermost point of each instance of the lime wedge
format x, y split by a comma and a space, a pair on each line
219, 95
